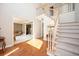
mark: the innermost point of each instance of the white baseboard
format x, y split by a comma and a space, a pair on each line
7, 46
13, 44
20, 41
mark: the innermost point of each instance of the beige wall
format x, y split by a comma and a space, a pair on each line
17, 27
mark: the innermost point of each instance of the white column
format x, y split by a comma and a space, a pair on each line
33, 30
36, 29
24, 28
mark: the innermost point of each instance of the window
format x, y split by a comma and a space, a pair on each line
51, 11
71, 7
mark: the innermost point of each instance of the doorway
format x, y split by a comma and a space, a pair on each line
28, 29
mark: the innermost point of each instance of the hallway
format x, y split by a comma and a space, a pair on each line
29, 48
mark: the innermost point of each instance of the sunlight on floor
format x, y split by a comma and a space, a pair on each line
11, 52
35, 43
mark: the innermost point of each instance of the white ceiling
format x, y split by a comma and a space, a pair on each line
42, 5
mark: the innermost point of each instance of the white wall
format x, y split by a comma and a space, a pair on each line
65, 15
64, 8
8, 12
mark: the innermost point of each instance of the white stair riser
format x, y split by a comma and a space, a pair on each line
70, 27
68, 40
69, 31
68, 35
68, 47
60, 52
69, 24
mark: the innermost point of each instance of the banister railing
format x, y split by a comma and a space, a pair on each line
52, 36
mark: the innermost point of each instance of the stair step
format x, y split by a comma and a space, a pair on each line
74, 36
69, 27
69, 24
68, 40
68, 31
73, 49
75, 22
62, 52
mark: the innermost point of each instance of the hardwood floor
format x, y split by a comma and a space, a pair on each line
29, 48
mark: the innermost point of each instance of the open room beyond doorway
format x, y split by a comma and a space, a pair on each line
22, 30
